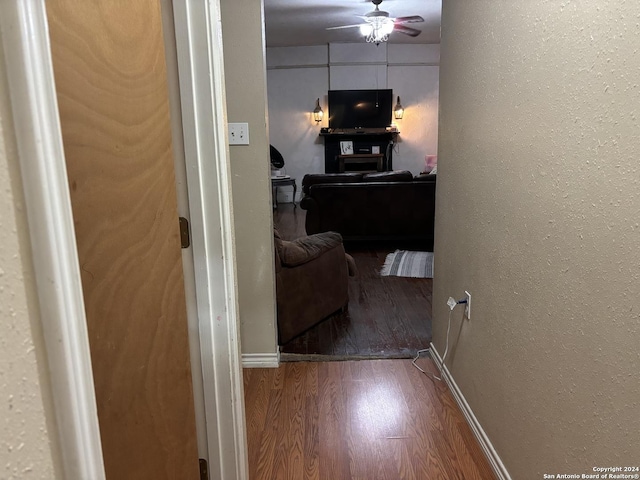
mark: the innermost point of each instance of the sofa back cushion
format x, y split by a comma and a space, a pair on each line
425, 177
318, 178
393, 176
372, 210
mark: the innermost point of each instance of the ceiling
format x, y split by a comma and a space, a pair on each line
303, 22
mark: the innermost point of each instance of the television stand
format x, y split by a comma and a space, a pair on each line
364, 140
361, 162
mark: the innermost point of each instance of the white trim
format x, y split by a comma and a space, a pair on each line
494, 459
201, 74
25, 37
261, 360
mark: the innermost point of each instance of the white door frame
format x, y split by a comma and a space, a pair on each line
204, 119
25, 36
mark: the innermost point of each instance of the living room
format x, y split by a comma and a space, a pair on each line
297, 78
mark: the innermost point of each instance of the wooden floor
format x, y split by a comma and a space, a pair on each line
387, 317
368, 420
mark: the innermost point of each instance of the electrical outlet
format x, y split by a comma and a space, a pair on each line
467, 307
239, 133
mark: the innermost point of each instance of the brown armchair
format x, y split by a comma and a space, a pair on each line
311, 281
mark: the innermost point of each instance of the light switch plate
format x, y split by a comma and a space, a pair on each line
239, 134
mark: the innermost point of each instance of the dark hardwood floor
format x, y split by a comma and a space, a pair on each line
374, 420
387, 317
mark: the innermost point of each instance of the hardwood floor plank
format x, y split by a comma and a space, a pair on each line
312, 439
420, 408
290, 451
343, 336
373, 420
334, 461
257, 393
429, 393
262, 459
360, 424
449, 425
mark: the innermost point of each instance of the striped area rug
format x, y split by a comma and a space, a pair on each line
403, 263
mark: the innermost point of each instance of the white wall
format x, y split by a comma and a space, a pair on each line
419, 125
296, 76
297, 139
537, 216
245, 84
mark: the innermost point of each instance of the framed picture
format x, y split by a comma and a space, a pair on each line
346, 147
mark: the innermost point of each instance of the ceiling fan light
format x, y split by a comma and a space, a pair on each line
366, 29
387, 28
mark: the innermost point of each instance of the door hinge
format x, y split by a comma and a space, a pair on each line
185, 236
204, 469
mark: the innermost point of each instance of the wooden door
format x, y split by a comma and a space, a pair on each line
110, 74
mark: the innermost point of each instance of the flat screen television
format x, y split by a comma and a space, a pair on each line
360, 108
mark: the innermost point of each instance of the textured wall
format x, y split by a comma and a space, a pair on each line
27, 444
242, 35
538, 217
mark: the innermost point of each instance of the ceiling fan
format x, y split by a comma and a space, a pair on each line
378, 25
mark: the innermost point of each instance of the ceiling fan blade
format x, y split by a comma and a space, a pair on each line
343, 26
412, 32
411, 19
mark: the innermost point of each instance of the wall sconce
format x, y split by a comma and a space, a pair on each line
317, 112
398, 110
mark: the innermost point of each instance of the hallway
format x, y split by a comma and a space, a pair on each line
370, 419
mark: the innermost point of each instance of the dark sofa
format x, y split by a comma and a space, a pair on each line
375, 206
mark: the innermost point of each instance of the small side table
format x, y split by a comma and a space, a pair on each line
283, 182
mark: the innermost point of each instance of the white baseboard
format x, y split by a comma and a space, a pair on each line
496, 463
261, 360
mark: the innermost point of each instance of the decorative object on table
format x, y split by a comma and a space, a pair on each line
403, 263
375, 149
398, 110
318, 114
346, 147
277, 160
430, 163
378, 25
279, 178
